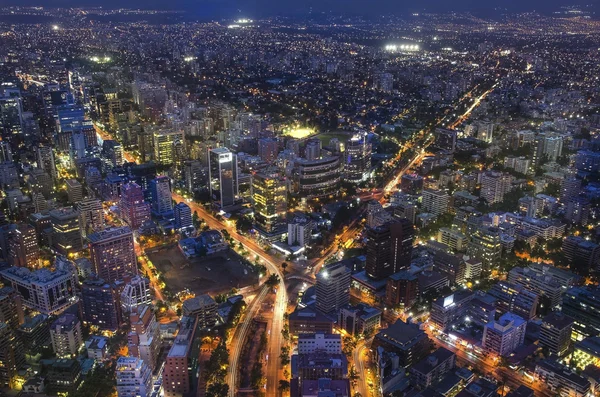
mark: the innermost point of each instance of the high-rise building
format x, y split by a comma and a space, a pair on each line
569, 188
74, 190
112, 153
561, 380
133, 377
223, 177
160, 189
182, 360
165, 143
66, 237
66, 335
183, 216
505, 335
435, 201
144, 338
317, 178
406, 340
494, 185
485, 245
582, 304
582, 254
357, 163
101, 306
383, 81
269, 197
204, 308
23, 247
43, 290
268, 149
445, 139
91, 216
402, 288
135, 293
299, 231
5, 152
542, 281
333, 287
45, 160
453, 238
389, 248
514, 298
134, 210
194, 175
555, 333
12, 357
11, 308
113, 254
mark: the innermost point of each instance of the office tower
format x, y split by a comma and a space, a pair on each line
144, 338
183, 216
12, 357
485, 245
194, 175
113, 254
112, 153
312, 149
299, 231
91, 216
435, 201
389, 248
133, 377
582, 304
269, 197
134, 210
268, 149
165, 144
160, 189
317, 178
66, 335
100, 304
5, 152
135, 293
45, 160
401, 289
66, 237
582, 254
445, 139
180, 365
383, 81
494, 185
43, 290
333, 288
569, 188
357, 163
23, 247
202, 307
502, 337
555, 333
514, 298
223, 177
406, 340
11, 308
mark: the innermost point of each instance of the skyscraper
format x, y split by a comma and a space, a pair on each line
24, 249
183, 216
357, 162
100, 304
333, 288
269, 197
389, 248
91, 216
5, 152
165, 143
134, 210
12, 356
113, 254
144, 338
223, 177
162, 203
66, 236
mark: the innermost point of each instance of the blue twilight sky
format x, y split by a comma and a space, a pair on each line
255, 8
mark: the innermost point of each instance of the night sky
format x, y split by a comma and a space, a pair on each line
255, 8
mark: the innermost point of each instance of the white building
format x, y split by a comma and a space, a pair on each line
435, 201
134, 377
494, 185
135, 293
91, 216
329, 343
299, 231
66, 335
505, 335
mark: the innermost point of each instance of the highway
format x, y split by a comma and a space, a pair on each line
237, 339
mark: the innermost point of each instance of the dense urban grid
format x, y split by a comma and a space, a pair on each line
323, 206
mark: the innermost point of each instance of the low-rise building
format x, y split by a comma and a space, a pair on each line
360, 319
311, 343
561, 380
433, 368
